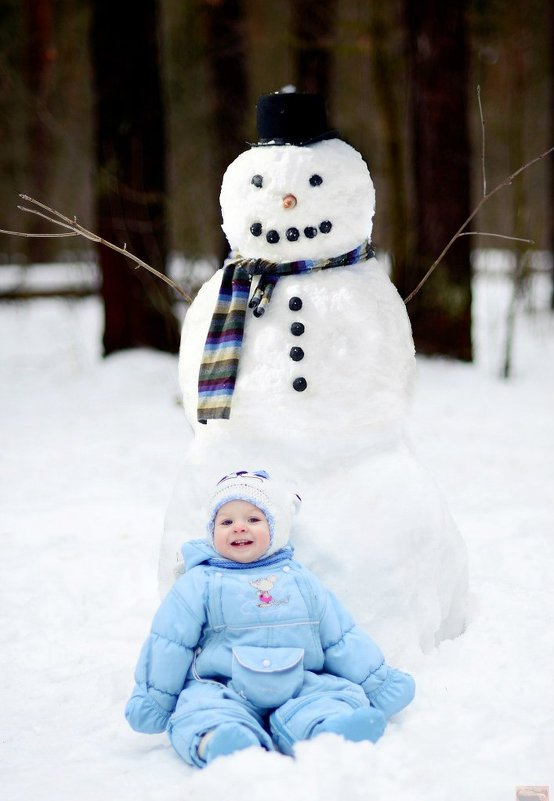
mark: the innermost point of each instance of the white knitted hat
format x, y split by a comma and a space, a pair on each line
278, 503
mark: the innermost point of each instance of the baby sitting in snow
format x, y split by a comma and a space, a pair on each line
249, 649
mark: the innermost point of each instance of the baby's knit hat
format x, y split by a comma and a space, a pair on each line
278, 503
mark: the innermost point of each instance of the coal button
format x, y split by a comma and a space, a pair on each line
297, 329
325, 226
299, 384
295, 304
296, 354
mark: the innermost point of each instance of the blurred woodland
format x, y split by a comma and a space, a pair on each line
126, 115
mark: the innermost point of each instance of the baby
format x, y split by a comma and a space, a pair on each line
249, 649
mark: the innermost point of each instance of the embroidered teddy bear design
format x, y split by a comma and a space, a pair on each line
264, 585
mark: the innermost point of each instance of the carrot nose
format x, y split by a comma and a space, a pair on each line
289, 202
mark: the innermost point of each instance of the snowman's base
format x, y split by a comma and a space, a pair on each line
373, 527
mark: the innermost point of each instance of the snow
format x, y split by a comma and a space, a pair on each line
52, 278
90, 451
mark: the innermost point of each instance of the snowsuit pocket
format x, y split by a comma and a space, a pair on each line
267, 677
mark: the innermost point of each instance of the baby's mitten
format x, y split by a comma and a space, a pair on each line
366, 723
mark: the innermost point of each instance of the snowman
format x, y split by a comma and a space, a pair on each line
297, 357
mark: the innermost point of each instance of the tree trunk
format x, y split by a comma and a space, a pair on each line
41, 53
520, 225
226, 51
130, 186
313, 28
388, 75
550, 22
438, 67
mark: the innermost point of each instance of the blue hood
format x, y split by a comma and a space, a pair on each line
199, 552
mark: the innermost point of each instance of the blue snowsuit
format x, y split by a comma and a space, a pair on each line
262, 644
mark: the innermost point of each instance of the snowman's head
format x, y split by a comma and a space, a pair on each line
288, 202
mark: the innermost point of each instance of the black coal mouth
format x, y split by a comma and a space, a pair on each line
292, 234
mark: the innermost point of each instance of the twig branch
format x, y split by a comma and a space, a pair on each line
506, 182
500, 236
77, 229
47, 236
45, 216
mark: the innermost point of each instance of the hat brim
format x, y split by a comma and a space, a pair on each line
281, 142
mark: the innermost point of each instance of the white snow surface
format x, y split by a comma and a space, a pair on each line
90, 451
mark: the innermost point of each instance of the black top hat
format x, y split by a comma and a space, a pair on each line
292, 118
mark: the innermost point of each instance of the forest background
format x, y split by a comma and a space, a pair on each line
126, 116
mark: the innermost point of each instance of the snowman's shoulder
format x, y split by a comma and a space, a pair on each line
209, 290
378, 280
360, 283
371, 270
203, 304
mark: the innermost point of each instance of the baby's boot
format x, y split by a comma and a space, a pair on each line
366, 723
224, 740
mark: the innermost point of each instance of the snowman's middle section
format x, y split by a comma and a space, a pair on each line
333, 351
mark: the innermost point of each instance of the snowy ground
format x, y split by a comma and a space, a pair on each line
90, 450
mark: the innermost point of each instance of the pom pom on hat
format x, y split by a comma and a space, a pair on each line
278, 503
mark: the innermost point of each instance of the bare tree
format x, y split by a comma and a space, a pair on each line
226, 49
550, 22
388, 68
313, 30
440, 150
40, 55
130, 184
519, 87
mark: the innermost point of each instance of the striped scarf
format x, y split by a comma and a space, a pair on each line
220, 361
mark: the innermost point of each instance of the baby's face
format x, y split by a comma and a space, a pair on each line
241, 532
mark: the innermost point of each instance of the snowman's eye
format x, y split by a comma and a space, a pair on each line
257, 180
316, 180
